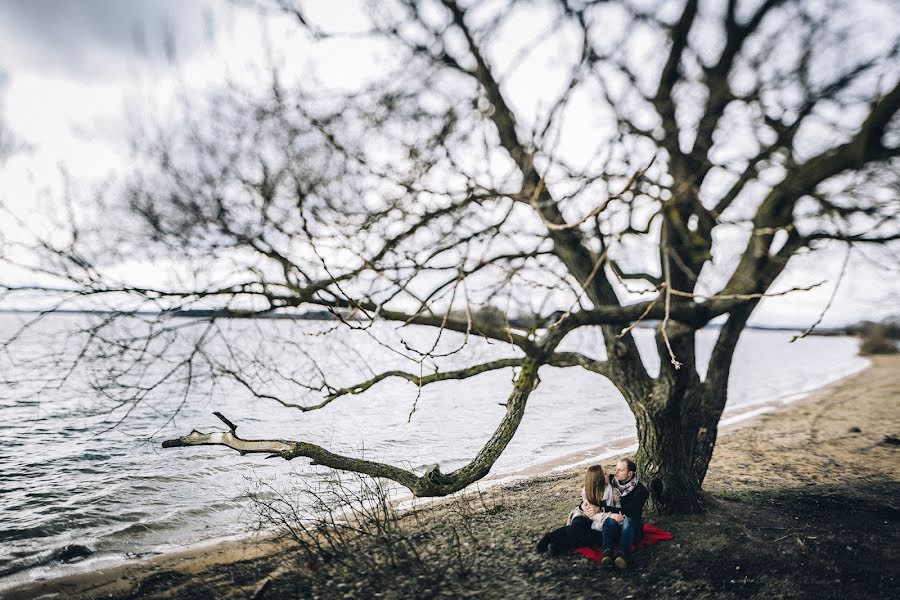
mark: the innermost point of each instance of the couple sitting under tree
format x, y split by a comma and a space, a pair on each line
610, 514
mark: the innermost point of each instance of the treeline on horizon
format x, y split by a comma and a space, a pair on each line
487, 315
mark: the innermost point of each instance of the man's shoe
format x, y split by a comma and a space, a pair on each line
620, 561
607, 560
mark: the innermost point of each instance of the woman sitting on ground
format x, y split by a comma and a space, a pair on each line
611, 512
584, 525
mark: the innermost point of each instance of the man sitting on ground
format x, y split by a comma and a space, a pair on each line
626, 524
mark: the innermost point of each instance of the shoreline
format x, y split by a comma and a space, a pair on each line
198, 558
44, 535
732, 419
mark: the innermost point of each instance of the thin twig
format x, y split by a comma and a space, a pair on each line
667, 282
646, 312
830, 300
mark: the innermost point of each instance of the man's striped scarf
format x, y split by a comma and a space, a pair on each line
624, 488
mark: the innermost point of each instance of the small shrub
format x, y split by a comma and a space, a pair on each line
352, 526
875, 340
491, 316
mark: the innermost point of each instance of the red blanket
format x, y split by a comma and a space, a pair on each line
651, 536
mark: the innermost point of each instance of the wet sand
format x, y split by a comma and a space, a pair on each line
840, 442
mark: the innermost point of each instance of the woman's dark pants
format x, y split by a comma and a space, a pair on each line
576, 534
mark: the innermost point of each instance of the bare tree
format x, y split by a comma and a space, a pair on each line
445, 191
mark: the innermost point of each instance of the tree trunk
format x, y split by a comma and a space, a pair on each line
705, 441
669, 432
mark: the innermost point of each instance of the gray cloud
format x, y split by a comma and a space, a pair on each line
99, 39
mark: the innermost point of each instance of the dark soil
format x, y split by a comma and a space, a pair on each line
784, 543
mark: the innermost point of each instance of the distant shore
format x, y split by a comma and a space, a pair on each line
324, 315
780, 489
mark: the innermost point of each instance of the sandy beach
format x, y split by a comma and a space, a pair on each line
801, 503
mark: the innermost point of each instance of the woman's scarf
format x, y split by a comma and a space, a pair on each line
612, 498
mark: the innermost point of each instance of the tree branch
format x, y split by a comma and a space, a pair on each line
576, 359
662, 100
432, 483
420, 381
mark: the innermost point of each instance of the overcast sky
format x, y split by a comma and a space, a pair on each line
101, 39
71, 72
72, 67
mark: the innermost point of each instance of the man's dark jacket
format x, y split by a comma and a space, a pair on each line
633, 503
